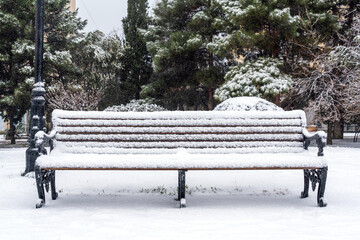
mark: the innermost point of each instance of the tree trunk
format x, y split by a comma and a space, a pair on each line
277, 100
351, 13
276, 49
329, 133
211, 88
12, 129
211, 99
338, 130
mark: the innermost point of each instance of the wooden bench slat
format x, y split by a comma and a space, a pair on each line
156, 151
172, 145
177, 115
175, 118
170, 141
167, 133
183, 137
175, 169
178, 130
160, 151
175, 123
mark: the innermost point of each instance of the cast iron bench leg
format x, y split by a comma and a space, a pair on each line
318, 176
54, 194
321, 190
305, 193
181, 187
40, 187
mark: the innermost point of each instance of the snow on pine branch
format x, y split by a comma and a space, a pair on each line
260, 78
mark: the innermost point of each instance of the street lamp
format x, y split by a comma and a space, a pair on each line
37, 112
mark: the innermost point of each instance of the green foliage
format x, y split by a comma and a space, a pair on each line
291, 31
279, 27
17, 50
137, 65
16, 53
261, 78
186, 64
97, 61
63, 37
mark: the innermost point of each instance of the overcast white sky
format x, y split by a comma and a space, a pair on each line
105, 15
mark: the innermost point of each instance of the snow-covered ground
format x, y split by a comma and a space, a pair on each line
221, 204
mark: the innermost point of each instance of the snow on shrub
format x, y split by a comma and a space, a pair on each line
260, 78
247, 104
141, 105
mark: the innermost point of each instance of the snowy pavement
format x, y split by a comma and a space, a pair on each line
221, 204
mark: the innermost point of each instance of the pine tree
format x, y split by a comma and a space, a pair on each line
63, 38
280, 28
97, 60
137, 68
16, 60
183, 42
17, 48
286, 31
101, 60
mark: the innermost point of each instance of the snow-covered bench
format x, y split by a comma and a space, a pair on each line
181, 141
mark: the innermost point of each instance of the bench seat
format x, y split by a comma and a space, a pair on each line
182, 160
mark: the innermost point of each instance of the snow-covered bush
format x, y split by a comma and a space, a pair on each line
247, 104
260, 78
141, 105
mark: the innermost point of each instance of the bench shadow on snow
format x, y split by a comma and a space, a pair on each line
205, 201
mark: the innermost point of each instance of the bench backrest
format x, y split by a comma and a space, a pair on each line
167, 132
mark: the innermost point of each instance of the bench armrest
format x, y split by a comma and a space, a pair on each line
319, 137
41, 138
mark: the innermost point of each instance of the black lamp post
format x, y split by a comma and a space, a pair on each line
37, 117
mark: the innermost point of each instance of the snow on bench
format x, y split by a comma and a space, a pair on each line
181, 141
